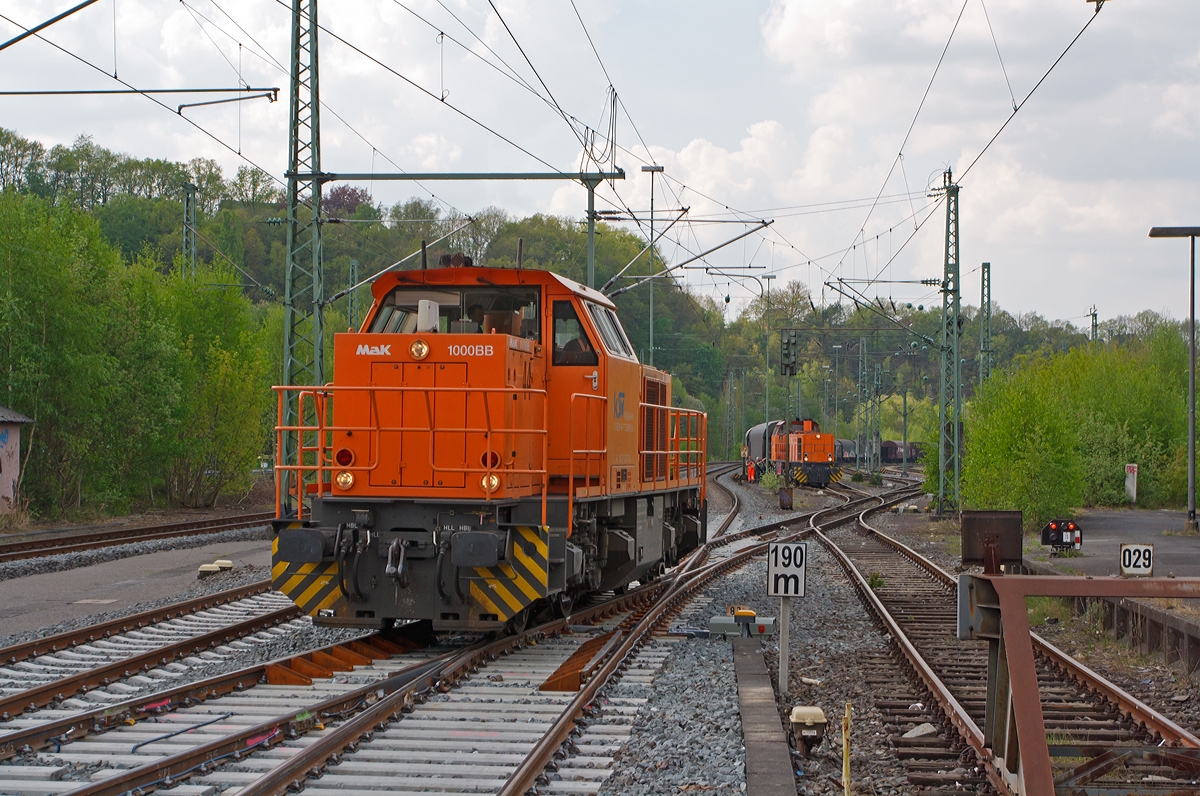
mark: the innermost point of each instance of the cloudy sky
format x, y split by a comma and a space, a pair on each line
794, 110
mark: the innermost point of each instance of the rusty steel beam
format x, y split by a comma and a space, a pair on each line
1011, 590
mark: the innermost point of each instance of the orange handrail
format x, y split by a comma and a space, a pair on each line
313, 464
587, 452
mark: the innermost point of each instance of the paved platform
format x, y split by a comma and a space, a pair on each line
1105, 530
768, 758
47, 598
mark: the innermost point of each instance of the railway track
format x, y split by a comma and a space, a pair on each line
106, 663
408, 716
59, 542
935, 688
221, 715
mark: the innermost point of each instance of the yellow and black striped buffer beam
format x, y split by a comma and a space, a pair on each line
835, 475
509, 587
311, 586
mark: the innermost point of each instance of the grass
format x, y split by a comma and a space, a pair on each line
875, 581
1043, 608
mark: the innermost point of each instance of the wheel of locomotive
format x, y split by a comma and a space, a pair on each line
518, 623
562, 605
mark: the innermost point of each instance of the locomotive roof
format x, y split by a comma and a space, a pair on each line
473, 274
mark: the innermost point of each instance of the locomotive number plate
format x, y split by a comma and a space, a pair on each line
472, 350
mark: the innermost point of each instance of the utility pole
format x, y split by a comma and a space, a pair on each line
652, 170
876, 420
985, 324
950, 407
304, 333
904, 450
836, 412
352, 297
189, 225
1095, 328
860, 409
743, 399
767, 350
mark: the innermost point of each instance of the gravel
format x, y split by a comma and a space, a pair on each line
87, 558
688, 735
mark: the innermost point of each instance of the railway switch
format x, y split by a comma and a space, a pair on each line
1062, 535
808, 727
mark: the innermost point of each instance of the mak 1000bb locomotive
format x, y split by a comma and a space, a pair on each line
490, 448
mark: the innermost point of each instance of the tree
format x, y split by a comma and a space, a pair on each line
254, 186
343, 200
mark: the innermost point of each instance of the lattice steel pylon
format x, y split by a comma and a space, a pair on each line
304, 328
950, 405
861, 411
876, 424
985, 323
189, 227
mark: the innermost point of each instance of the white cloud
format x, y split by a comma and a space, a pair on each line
774, 104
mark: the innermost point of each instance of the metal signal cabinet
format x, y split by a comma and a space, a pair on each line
489, 448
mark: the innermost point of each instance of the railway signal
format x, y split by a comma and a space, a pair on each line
1062, 535
789, 355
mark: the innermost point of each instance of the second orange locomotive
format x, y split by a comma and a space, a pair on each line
489, 447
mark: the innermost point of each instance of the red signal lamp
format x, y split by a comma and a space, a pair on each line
344, 457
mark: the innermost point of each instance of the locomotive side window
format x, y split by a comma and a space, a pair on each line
610, 331
467, 310
572, 346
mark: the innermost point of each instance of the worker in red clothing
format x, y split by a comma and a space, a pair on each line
750, 470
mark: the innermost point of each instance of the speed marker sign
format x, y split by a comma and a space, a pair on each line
785, 569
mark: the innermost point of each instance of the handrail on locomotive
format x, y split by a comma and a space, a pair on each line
315, 477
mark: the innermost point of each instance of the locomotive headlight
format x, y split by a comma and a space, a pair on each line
419, 349
344, 479
490, 482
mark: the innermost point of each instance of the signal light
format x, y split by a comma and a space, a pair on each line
1070, 526
490, 482
1054, 526
344, 457
490, 459
344, 479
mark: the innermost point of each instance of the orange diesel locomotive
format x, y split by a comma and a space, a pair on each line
489, 448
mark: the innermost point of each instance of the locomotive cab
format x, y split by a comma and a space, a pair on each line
489, 447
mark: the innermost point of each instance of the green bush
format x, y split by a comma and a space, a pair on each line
141, 384
1057, 432
770, 481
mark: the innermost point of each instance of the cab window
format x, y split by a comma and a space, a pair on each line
463, 310
572, 346
610, 331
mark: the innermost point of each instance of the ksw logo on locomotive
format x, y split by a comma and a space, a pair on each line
374, 350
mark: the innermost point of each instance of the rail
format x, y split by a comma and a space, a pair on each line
312, 471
